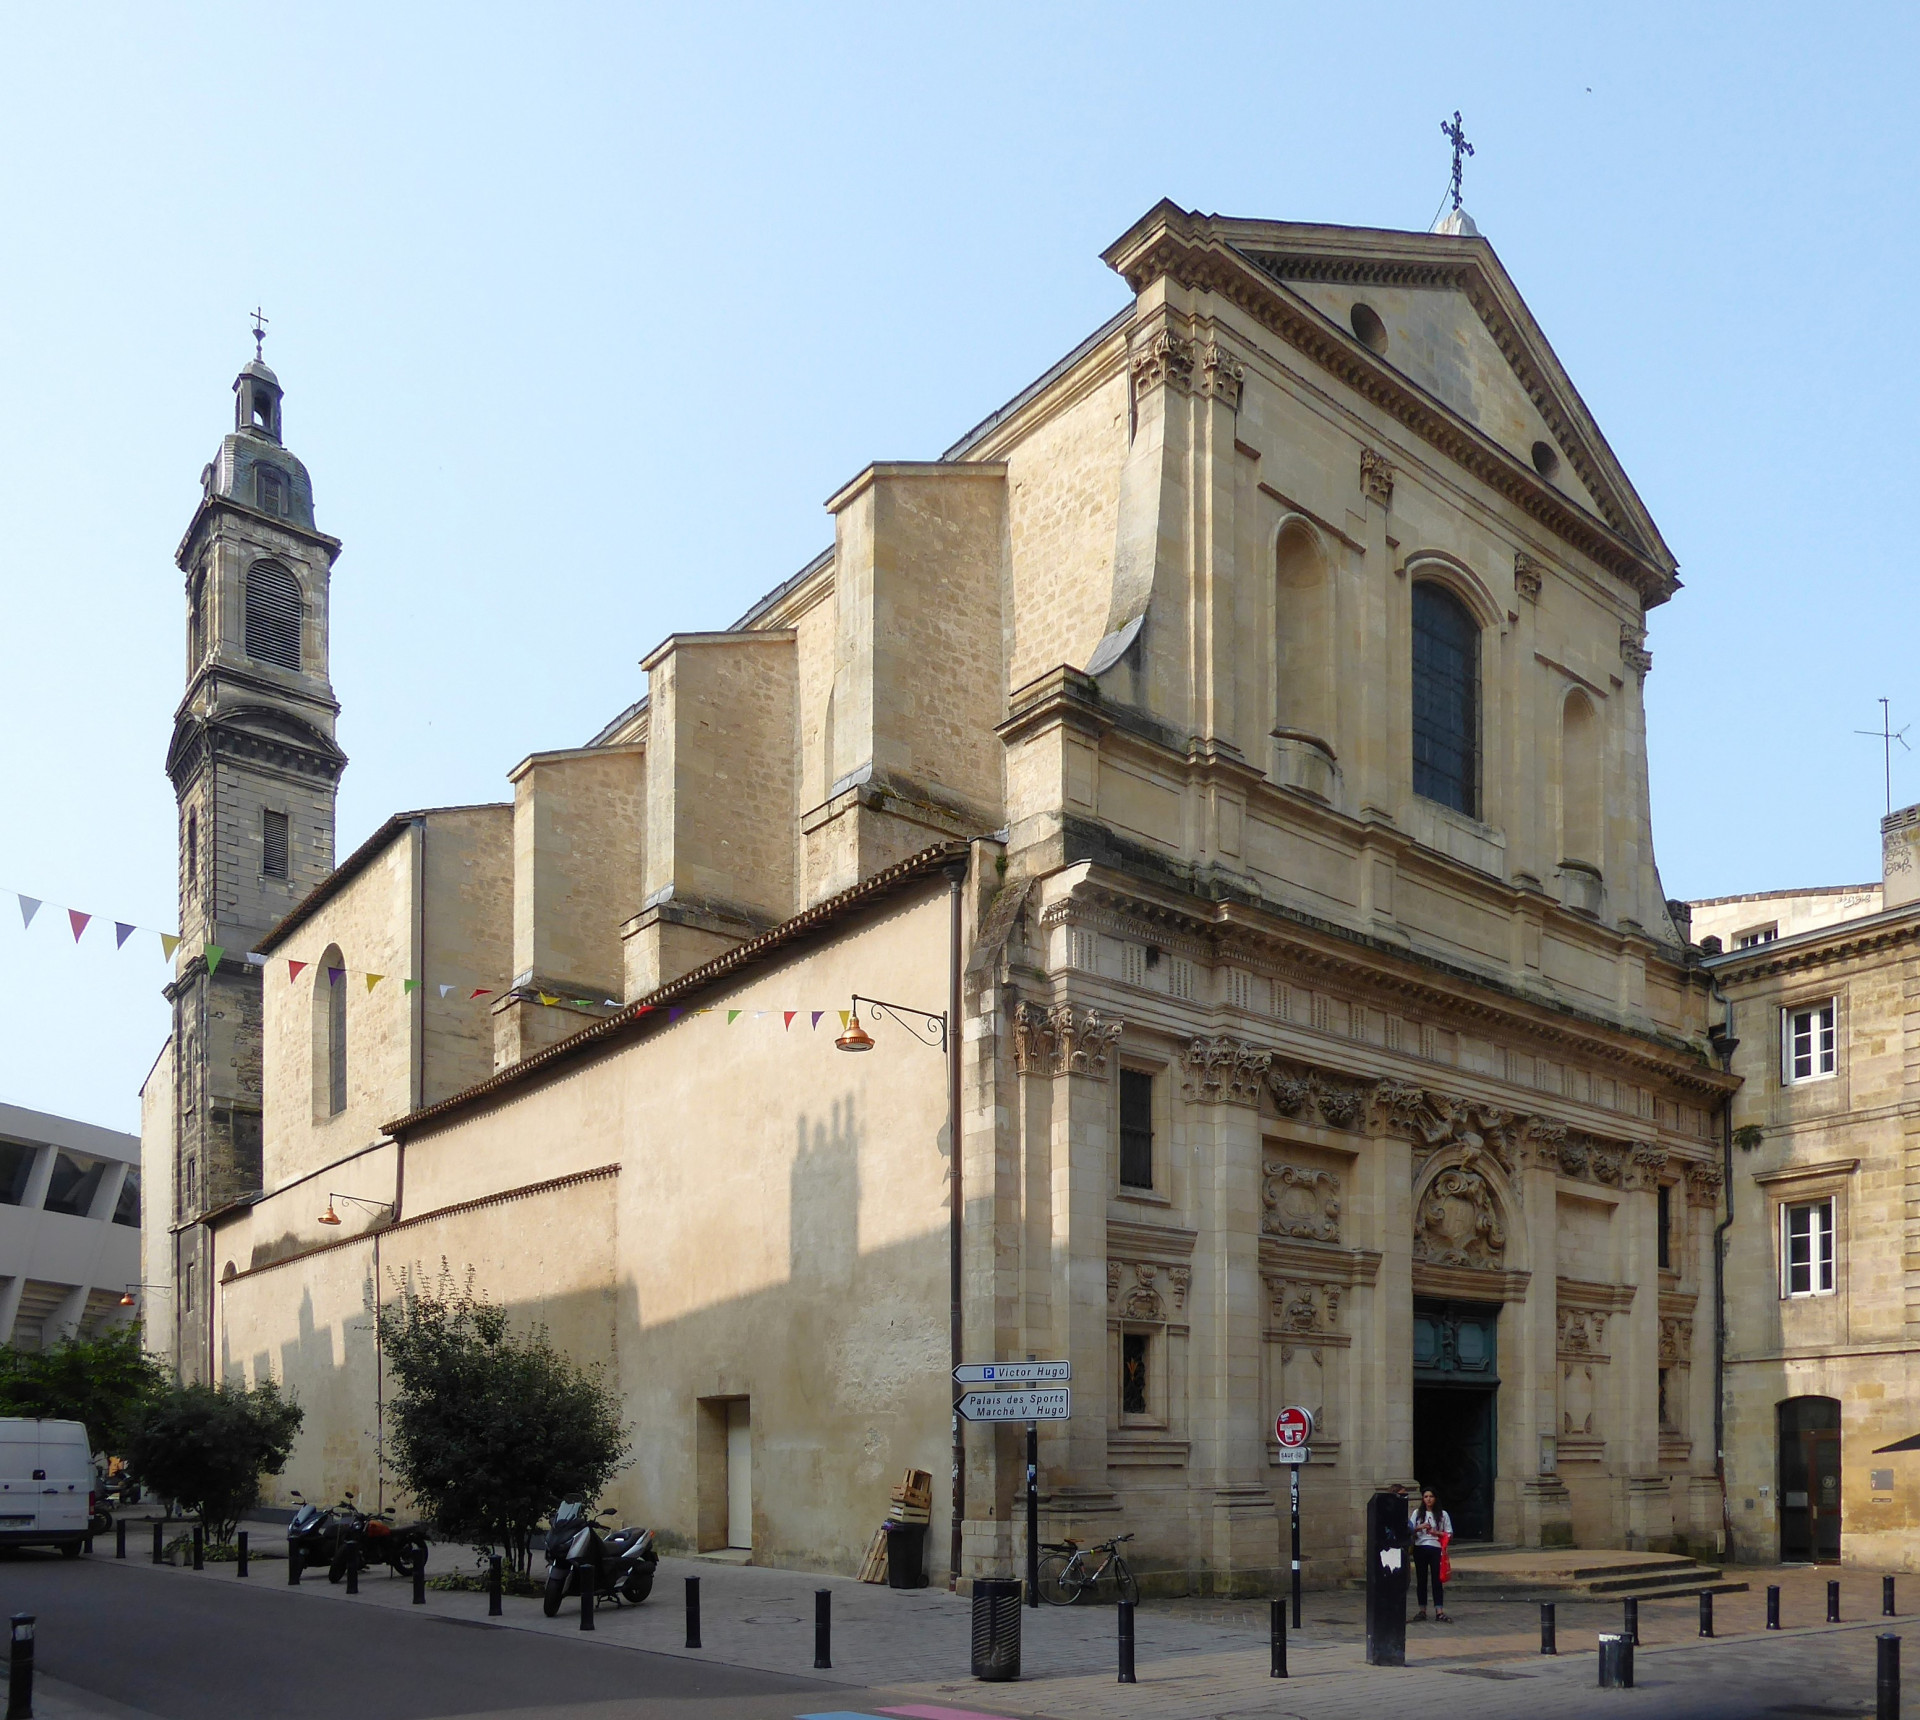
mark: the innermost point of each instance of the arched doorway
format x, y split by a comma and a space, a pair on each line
1809, 1429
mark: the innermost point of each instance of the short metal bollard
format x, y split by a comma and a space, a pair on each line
20, 1669
353, 1570
159, 1530
1773, 1606
1616, 1661
1706, 1612
240, 1554
1630, 1621
693, 1612
199, 1548
419, 1576
493, 1586
822, 1629
587, 1586
1277, 1635
1886, 1597
1833, 1603
1126, 1643
1886, 1678
1549, 1642
120, 1538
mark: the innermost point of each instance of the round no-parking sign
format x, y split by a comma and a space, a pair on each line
1293, 1427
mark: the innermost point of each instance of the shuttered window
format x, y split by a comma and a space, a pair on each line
273, 490
273, 615
1446, 715
273, 844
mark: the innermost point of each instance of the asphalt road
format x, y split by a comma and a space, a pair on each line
153, 1642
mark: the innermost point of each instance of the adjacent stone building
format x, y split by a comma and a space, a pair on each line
1260, 693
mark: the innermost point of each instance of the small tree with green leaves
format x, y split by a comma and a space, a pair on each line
105, 1381
206, 1447
492, 1427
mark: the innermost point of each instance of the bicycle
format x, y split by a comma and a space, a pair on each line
1067, 1570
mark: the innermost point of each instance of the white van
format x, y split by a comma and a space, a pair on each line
46, 1483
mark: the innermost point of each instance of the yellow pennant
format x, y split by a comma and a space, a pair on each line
374, 979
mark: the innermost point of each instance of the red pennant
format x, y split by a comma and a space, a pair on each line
789, 1014
480, 991
294, 970
78, 921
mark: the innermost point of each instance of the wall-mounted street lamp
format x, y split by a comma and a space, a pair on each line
379, 1354
129, 1299
929, 1029
332, 1217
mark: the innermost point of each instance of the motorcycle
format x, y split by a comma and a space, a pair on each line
620, 1565
373, 1536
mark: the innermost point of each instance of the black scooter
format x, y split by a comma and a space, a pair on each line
619, 1565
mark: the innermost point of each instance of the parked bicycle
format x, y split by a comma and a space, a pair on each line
1069, 1570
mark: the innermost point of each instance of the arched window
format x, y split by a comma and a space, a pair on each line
1446, 699
330, 1034
197, 620
1303, 621
1580, 796
273, 615
271, 483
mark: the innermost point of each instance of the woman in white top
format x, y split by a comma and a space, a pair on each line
1431, 1528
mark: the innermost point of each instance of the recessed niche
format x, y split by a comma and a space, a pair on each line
1545, 461
1367, 327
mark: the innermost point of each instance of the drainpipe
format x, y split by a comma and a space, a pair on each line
1725, 1044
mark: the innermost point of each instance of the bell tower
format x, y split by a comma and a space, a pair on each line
255, 768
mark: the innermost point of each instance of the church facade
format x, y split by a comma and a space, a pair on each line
1239, 736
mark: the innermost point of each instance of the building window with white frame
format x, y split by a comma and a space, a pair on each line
1807, 1043
1806, 1248
1755, 936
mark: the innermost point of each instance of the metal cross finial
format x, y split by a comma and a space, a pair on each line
1887, 734
260, 322
1456, 135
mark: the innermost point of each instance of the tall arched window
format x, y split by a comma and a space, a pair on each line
197, 620
1446, 699
1303, 646
273, 615
330, 1034
1580, 796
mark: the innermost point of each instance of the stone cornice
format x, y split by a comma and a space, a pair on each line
1847, 941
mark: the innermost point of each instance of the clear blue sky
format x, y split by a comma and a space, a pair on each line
582, 312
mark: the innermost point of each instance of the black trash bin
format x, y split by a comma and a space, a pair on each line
996, 1629
906, 1555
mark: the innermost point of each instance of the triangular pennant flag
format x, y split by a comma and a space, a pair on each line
733, 1015
213, 953
644, 1009
846, 1015
675, 1014
336, 975
761, 1014
445, 989
256, 959
581, 1002
407, 985
478, 991
78, 921
789, 1014
816, 1018
547, 998
611, 1002
294, 970
121, 932
29, 906
168, 944
374, 979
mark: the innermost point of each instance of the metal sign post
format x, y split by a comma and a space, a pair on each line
1033, 1513
1030, 1391
1292, 1428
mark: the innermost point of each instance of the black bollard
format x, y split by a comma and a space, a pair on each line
199, 1548
419, 1576
1630, 1621
1549, 1644
1773, 1606
1833, 1603
240, 1554
1886, 1597
587, 1586
1126, 1643
1277, 1635
20, 1669
120, 1539
693, 1612
353, 1570
493, 1586
822, 1629
159, 1529
1706, 1612
1886, 1681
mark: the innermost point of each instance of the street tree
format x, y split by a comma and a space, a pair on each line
206, 1447
104, 1381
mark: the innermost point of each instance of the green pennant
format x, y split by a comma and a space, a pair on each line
213, 953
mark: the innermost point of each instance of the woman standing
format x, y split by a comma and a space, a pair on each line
1432, 1530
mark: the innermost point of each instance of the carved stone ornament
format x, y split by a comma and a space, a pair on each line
1295, 1091
1458, 1222
1163, 359
1222, 376
1526, 576
1703, 1185
1633, 649
1062, 1040
1582, 1332
1144, 1289
1301, 1201
1644, 1165
1223, 1070
1435, 1121
1676, 1341
1376, 477
1303, 1310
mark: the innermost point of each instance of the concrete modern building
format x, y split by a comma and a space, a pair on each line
69, 1226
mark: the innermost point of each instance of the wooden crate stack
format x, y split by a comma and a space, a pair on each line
912, 1503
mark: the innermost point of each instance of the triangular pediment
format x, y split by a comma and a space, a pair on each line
1455, 354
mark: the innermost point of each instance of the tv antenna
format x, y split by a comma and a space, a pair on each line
1887, 734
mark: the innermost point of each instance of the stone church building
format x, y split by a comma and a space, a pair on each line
1259, 695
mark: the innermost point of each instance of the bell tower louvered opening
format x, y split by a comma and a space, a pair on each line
273, 615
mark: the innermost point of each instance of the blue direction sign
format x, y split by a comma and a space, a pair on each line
1013, 1374
1042, 1403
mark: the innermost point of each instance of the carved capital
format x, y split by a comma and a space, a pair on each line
1222, 376
1062, 1040
1163, 360
1526, 576
1644, 1166
1225, 1071
1376, 477
1305, 1090
1703, 1185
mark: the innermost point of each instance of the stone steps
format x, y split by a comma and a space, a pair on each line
1593, 1574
